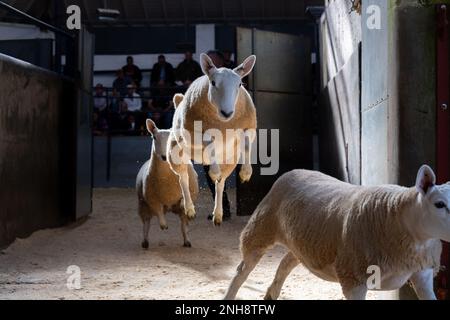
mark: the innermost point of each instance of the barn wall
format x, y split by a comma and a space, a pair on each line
31, 102
340, 92
398, 93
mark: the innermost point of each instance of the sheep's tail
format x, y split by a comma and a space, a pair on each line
177, 99
261, 230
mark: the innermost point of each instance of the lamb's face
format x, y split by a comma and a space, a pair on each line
160, 138
434, 202
224, 84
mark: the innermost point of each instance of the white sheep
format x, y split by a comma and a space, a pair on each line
158, 188
343, 233
219, 102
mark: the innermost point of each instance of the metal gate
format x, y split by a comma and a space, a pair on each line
84, 143
282, 91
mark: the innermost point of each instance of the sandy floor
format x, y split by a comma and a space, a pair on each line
107, 249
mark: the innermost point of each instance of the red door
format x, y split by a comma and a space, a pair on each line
443, 128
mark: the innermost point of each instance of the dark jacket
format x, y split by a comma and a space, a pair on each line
188, 70
156, 72
134, 73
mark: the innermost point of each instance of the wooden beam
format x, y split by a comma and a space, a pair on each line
242, 8
202, 5
124, 9
164, 7
12, 4
224, 15
145, 10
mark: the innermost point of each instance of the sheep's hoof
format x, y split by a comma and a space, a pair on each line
145, 244
217, 221
164, 227
190, 213
245, 175
268, 296
187, 244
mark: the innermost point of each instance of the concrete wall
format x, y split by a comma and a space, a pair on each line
31, 101
398, 93
339, 106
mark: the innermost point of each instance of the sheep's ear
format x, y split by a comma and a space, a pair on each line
151, 127
426, 179
246, 67
177, 99
208, 66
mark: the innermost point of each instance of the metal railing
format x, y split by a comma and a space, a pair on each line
63, 39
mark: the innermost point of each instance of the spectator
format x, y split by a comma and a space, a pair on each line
228, 63
163, 74
161, 110
121, 83
188, 70
132, 71
100, 100
114, 101
132, 99
217, 58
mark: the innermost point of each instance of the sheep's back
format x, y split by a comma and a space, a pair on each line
312, 214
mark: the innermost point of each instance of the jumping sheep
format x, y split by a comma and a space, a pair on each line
158, 188
338, 231
219, 102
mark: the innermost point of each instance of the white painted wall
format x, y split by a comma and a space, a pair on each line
205, 38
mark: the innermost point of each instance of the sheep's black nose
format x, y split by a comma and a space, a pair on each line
225, 114
164, 158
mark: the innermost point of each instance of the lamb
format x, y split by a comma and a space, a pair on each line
220, 103
338, 231
158, 188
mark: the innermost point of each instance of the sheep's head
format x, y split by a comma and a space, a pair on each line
433, 214
160, 138
224, 84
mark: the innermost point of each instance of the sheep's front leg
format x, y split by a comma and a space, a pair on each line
218, 210
422, 282
188, 205
179, 162
246, 169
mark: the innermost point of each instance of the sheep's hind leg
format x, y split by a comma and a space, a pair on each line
146, 219
185, 231
243, 270
146, 229
288, 263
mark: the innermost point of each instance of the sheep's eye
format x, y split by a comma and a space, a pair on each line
440, 205
213, 83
